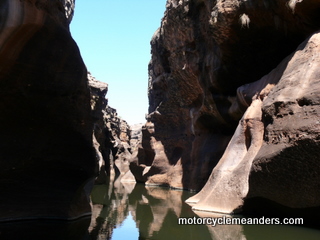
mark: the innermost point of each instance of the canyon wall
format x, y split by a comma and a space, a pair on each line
58, 134
111, 136
47, 160
211, 60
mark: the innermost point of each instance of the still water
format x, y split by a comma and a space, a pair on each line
135, 212
127, 211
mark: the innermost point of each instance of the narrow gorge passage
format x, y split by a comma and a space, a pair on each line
214, 97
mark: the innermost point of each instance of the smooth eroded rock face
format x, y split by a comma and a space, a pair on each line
279, 161
276, 171
211, 60
47, 161
286, 168
202, 54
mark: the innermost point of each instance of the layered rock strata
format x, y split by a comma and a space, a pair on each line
47, 161
211, 60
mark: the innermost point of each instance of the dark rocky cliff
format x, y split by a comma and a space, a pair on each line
111, 134
58, 134
47, 161
211, 60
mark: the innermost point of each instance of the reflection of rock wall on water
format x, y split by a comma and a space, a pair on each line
213, 60
110, 208
233, 92
155, 211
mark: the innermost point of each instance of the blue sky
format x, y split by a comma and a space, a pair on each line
114, 40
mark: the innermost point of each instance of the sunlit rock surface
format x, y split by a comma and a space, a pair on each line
286, 168
203, 56
282, 165
111, 134
228, 183
47, 161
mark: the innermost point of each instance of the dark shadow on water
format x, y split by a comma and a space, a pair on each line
45, 230
155, 212
132, 211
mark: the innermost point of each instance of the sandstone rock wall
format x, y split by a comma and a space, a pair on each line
112, 135
276, 171
209, 59
47, 162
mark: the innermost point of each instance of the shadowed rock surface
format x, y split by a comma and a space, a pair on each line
47, 161
209, 59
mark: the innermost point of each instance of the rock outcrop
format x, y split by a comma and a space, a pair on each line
286, 168
211, 60
112, 135
47, 161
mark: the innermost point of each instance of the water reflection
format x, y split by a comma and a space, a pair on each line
155, 211
133, 211
109, 209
